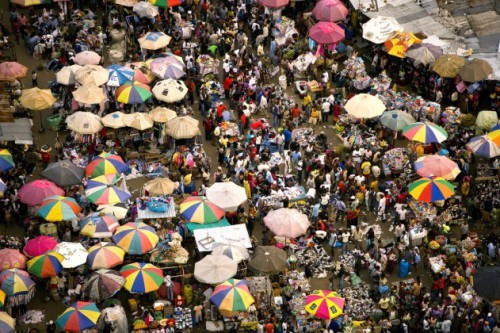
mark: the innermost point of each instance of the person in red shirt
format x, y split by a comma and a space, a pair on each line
243, 122
227, 86
191, 88
220, 108
269, 327
296, 115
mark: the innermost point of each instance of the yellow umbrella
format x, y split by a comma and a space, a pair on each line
448, 65
89, 94
37, 99
400, 42
162, 115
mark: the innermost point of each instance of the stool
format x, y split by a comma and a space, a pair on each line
132, 303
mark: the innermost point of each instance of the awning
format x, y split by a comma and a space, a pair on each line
195, 226
19, 131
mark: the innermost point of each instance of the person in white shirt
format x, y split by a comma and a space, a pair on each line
325, 107
345, 240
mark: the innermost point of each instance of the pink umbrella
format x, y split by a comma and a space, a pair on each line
330, 10
274, 3
11, 258
287, 222
87, 58
39, 245
326, 33
33, 193
10, 70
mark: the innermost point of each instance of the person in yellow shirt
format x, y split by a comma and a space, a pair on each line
419, 151
306, 104
314, 116
366, 167
374, 185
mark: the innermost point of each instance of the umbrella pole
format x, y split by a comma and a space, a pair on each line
42, 129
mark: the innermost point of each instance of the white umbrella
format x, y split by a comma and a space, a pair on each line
235, 252
421, 55
83, 122
114, 120
67, 75
215, 269
184, 127
87, 58
154, 40
74, 254
380, 28
486, 120
162, 115
227, 195
145, 9
92, 75
365, 106
138, 120
126, 3
287, 222
170, 90
89, 94
119, 210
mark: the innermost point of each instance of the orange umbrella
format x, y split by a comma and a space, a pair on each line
400, 42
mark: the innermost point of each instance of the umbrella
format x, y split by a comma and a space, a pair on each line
67, 75
274, 3
486, 283
37, 99
330, 10
3, 187
7, 323
141, 278
11, 258
105, 255
380, 28
84, 122
421, 55
162, 115
154, 40
475, 70
119, 210
78, 317
486, 120
59, 208
74, 254
184, 127
142, 72
138, 120
6, 161
114, 120
33, 193
92, 75
3, 295
126, 3
170, 90
435, 165
105, 164
133, 93
136, 238
89, 94
99, 225
11, 70
232, 251
483, 146
64, 173
232, 296
160, 186
119, 75
326, 33
46, 265
87, 58
29, 3
168, 68
365, 106
214, 269
324, 304
494, 136
145, 9
431, 189
396, 120
39, 245
100, 190
426, 132
287, 222
166, 3
400, 42
269, 260
102, 284
200, 210
448, 65
227, 195
16, 282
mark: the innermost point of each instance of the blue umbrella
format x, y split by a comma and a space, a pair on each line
119, 75
483, 146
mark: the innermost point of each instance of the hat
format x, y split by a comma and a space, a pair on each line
46, 149
352, 197
163, 322
489, 314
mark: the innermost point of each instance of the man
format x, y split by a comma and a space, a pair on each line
358, 236
299, 166
325, 108
296, 115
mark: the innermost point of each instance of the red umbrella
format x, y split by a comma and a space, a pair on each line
39, 245
326, 33
330, 10
274, 3
33, 193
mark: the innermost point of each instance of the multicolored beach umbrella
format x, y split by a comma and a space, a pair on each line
430, 189
46, 265
483, 146
438, 166
136, 238
7, 323
232, 296
166, 3
78, 317
105, 255
425, 132
105, 164
59, 208
98, 225
494, 136
102, 284
2, 299
101, 191
325, 304
133, 93
199, 210
119, 75
141, 278
17, 282
6, 161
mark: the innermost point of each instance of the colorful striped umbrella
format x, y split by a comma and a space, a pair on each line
168, 68
99, 225
59, 208
17, 282
425, 132
33, 193
133, 93
6, 161
435, 165
431, 189
78, 317
7, 323
105, 255
141, 71
119, 210
2, 298
46, 265
119, 75
105, 164
199, 210
136, 238
494, 136
39, 245
141, 278
11, 258
101, 191
232, 296
483, 146
102, 284
325, 304
166, 3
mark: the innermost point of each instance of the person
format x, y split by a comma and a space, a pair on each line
34, 79
325, 110
296, 115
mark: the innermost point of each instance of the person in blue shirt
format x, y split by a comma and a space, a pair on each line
315, 212
288, 138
